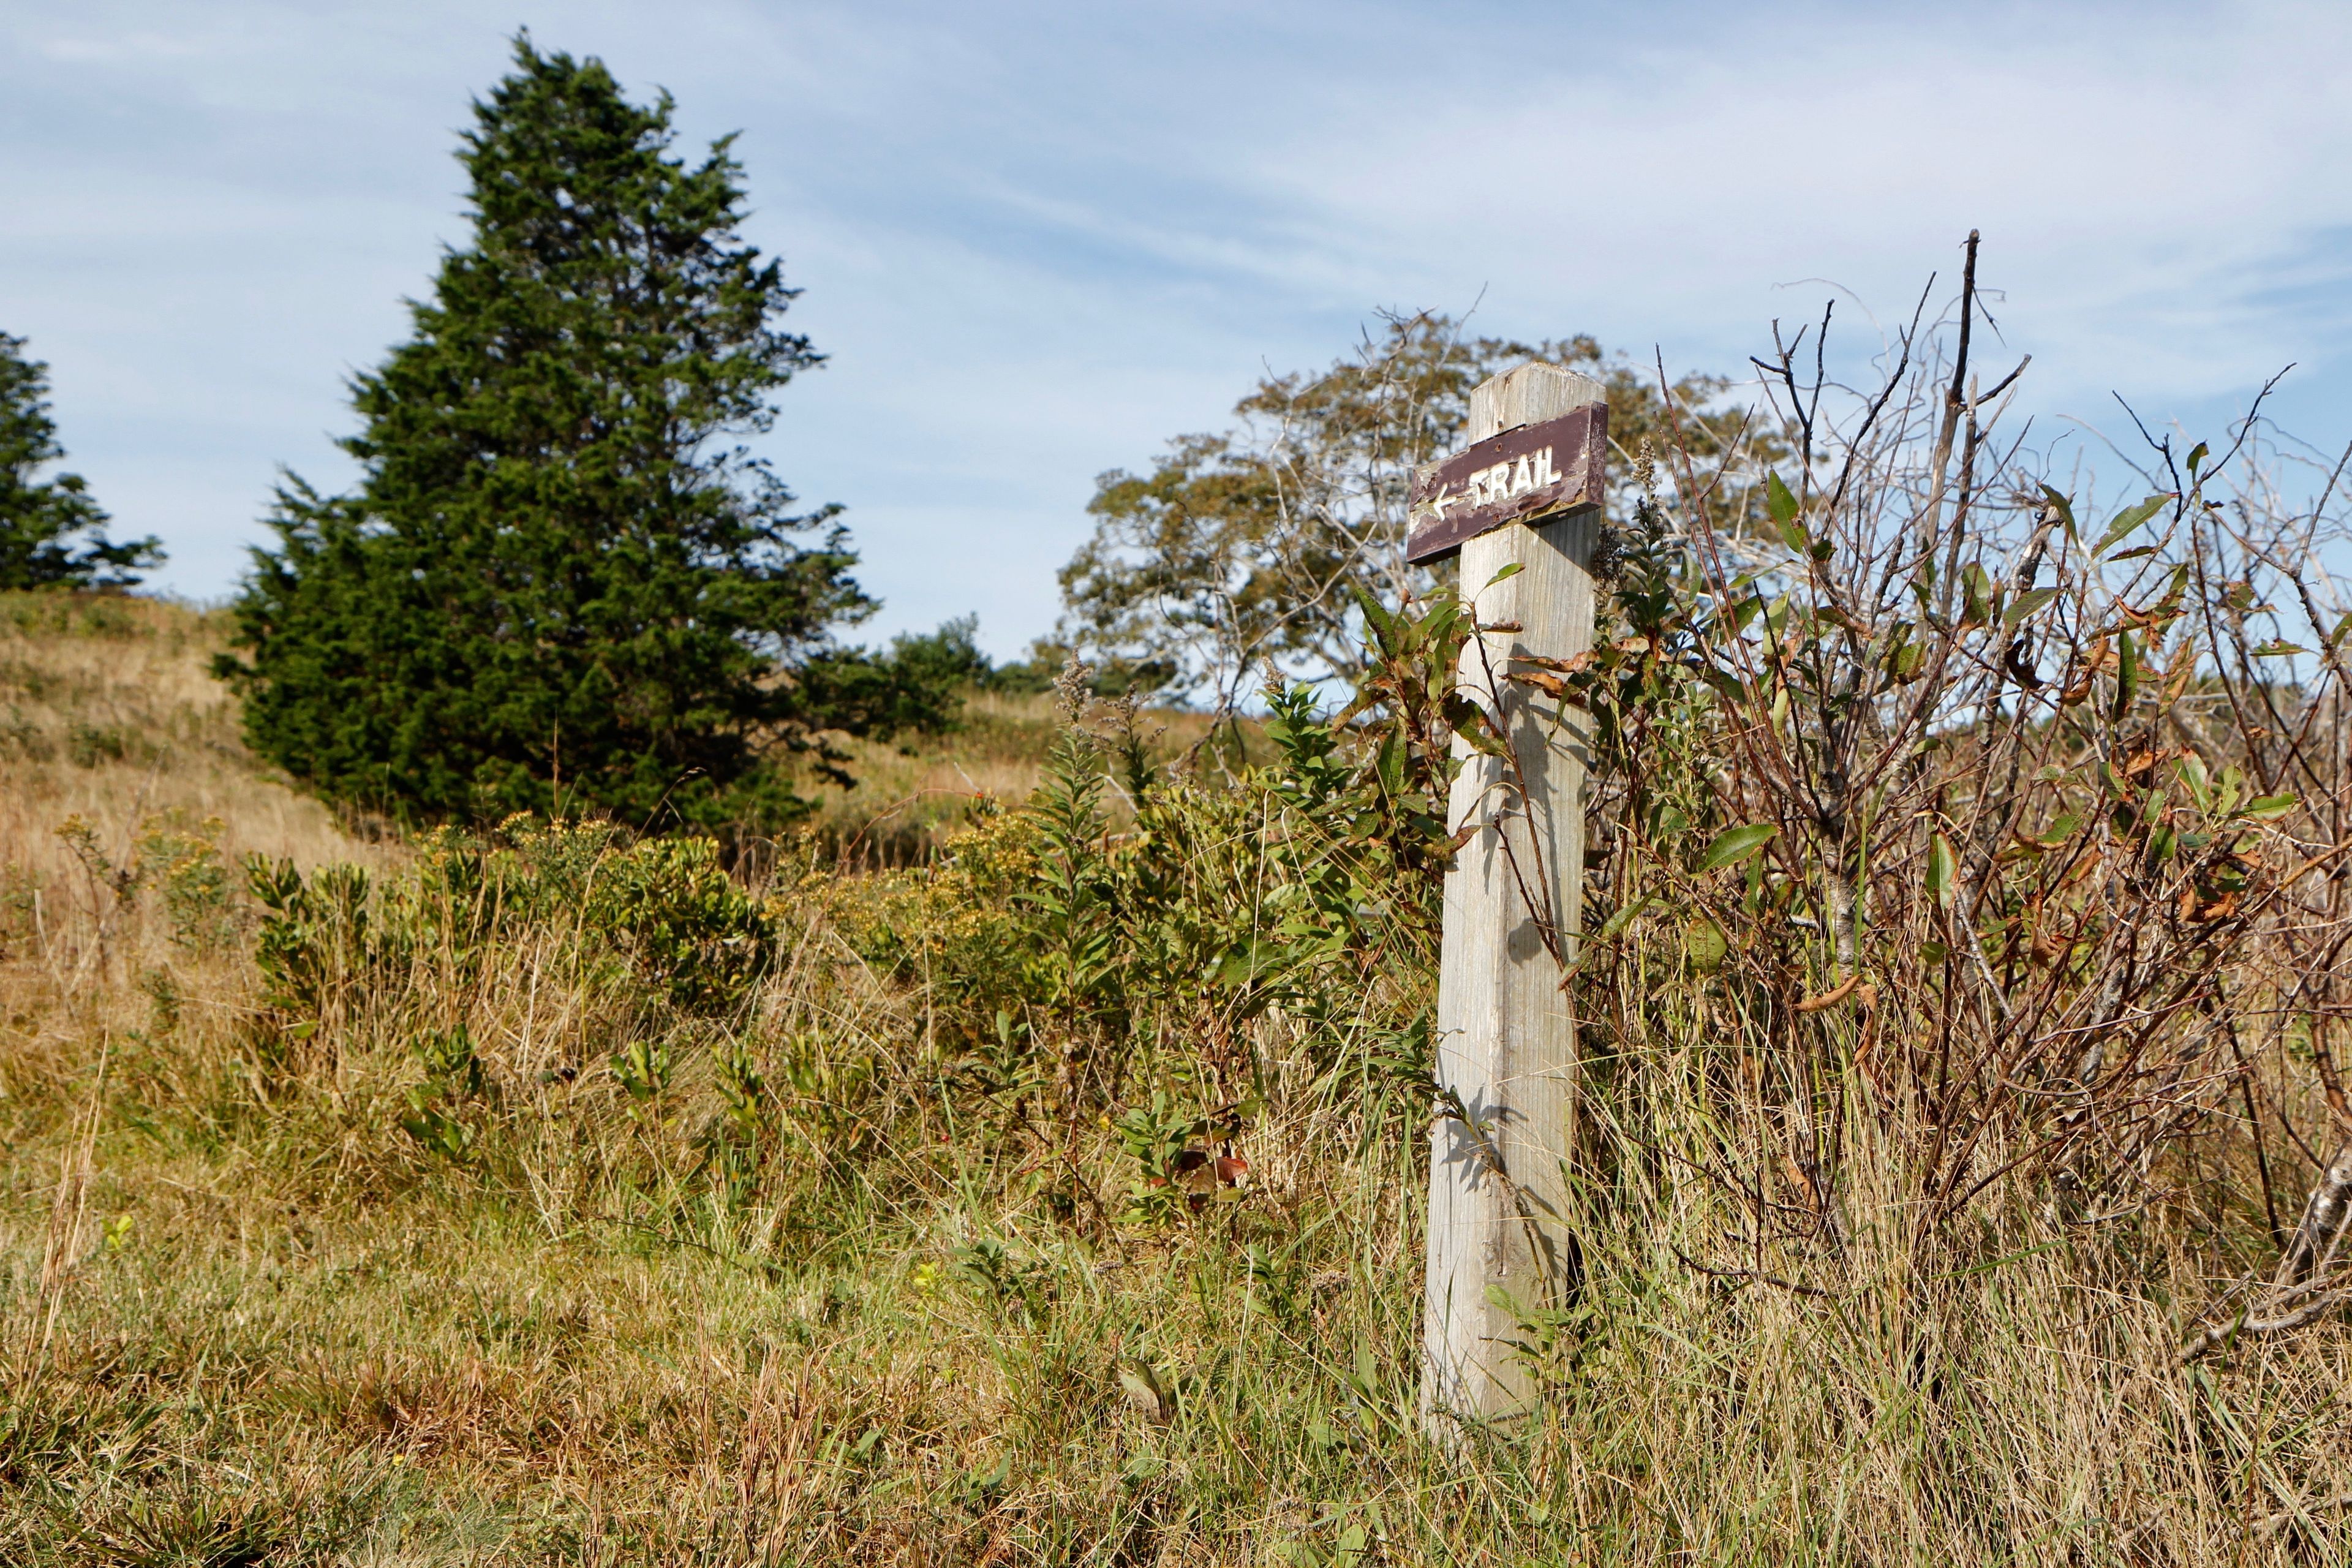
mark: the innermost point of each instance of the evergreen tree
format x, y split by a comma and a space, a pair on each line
51, 531
561, 582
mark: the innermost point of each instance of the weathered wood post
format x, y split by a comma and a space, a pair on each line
1524, 493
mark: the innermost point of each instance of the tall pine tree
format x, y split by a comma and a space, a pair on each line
562, 581
52, 532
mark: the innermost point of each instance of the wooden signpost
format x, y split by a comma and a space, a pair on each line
1526, 493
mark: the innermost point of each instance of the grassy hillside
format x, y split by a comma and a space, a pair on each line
106, 715
909, 796
550, 1198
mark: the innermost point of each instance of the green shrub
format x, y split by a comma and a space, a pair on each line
686, 927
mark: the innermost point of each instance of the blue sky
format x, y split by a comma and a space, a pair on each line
1039, 239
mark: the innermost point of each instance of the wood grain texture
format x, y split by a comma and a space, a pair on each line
1507, 1041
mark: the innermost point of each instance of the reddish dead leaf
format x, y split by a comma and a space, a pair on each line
2221, 909
1543, 681
1831, 998
1545, 661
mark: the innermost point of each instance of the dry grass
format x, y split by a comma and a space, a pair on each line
107, 713
246, 1317
910, 798
119, 753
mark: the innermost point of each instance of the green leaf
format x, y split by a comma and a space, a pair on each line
1705, 944
1621, 917
1471, 723
2127, 676
2269, 807
2130, 518
2026, 604
1977, 595
1943, 869
2199, 782
985, 1483
2279, 647
2197, 456
1782, 507
1513, 570
1249, 960
2065, 508
2060, 830
1733, 845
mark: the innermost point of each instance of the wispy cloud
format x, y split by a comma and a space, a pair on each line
2147, 175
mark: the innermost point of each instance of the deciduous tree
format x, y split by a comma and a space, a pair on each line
1247, 548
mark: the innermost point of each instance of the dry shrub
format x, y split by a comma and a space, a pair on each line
1965, 954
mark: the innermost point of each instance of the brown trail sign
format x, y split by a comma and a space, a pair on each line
1532, 470
1526, 493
